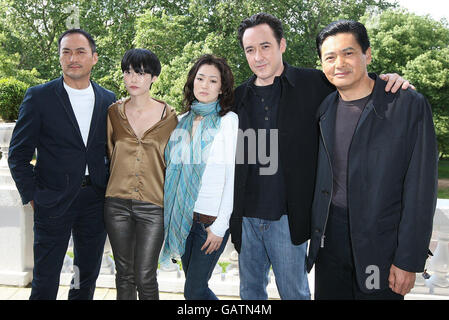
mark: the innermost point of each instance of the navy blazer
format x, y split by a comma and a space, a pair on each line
391, 187
47, 123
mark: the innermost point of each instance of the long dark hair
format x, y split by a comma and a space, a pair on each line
226, 98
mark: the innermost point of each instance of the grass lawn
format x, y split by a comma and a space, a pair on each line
443, 169
443, 173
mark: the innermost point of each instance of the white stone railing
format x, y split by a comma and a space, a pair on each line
16, 249
225, 279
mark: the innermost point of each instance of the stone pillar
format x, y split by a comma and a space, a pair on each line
16, 224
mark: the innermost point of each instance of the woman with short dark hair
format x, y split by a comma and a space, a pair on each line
199, 185
138, 130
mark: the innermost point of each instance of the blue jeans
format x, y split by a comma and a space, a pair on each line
267, 243
197, 265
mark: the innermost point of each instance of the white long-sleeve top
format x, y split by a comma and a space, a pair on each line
216, 195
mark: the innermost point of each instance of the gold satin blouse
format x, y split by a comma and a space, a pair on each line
137, 166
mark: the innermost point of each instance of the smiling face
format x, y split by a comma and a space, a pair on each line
263, 53
76, 59
343, 61
207, 84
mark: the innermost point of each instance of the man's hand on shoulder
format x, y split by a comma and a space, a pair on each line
395, 81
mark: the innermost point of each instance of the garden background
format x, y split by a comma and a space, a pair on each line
178, 31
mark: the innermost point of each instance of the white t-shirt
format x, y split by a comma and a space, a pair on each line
216, 195
83, 102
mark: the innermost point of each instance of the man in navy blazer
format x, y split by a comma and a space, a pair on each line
65, 121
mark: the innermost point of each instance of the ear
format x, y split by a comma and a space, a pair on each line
283, 45
153, 79
368, 56
95, 58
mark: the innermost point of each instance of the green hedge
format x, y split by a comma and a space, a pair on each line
12, 92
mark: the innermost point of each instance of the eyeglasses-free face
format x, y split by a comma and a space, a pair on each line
207, 84
137, 83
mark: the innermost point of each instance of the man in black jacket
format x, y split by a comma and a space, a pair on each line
65, 121
270, 224
376, 184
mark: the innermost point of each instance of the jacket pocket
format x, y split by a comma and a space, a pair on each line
49, 195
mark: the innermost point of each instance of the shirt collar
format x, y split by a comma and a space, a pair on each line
287, 74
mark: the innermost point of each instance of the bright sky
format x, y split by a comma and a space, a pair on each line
436, 8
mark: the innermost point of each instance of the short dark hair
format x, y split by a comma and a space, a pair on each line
226, 98
91, 40
344, 26
141, 60
261, 18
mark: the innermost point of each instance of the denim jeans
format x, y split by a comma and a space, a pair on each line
197, 265
267, 243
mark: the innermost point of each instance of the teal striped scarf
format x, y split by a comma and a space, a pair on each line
186, 159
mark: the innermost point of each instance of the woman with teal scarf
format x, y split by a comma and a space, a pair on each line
199, 182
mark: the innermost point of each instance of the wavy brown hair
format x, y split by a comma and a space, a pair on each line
226, 98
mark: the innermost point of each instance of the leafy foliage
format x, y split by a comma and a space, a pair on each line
416, 47
12, 92
179, 31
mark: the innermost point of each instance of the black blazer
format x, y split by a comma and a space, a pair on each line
392, 183
47, 123
302, 91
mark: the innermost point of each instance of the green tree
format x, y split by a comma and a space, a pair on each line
12, 92
31, 29
10, 67
398, 37
169, 86
430, 74
416, 47
216, 22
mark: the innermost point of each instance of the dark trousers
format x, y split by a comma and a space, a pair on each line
136, 232
197, 265
335, 276
84, 220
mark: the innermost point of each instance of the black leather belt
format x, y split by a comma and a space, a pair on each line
86, 182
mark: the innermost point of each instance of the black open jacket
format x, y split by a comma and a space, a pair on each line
302, 91
391, 187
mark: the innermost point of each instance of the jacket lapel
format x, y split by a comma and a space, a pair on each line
377, 103
61, 93
95, 114
327, 122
